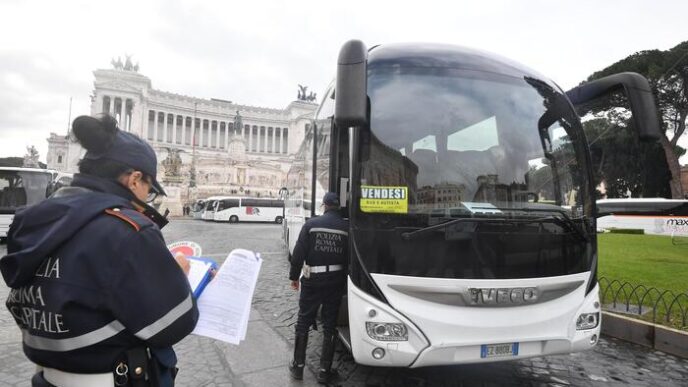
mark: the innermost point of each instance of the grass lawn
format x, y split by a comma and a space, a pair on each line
650, 260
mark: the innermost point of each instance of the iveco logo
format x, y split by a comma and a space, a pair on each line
490, 296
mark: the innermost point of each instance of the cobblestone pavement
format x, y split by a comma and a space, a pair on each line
261, 360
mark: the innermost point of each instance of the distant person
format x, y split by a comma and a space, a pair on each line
321, 253
98, 297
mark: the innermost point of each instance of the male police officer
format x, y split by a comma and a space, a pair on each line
320, 253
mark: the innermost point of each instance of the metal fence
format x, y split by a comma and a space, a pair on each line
647, 303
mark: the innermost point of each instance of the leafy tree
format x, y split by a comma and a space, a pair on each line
667, 72
624, 164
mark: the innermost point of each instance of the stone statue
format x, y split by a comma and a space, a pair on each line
302, 93
238, 122
172, 165
128, 66
302, 96
31, 157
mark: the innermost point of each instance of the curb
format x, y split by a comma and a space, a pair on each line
649, 335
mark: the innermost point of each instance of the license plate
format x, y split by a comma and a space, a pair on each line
498, 350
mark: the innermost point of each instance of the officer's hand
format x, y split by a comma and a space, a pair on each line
295, 285
183, 262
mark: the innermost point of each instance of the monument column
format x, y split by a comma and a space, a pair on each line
123, 114
200, 133
183, 140
165, 129
257, 139
155, 125
281, 142
250, 138
227, 134
217, 135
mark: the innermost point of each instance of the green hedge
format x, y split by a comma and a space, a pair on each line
627, 231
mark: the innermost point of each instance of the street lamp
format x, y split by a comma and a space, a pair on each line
283, 194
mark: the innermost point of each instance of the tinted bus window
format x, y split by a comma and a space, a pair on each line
21, 188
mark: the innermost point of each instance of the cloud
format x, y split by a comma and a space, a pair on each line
257, 52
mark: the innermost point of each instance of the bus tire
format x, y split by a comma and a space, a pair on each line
278, 220
233, 219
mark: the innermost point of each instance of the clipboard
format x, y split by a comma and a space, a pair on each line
199, 274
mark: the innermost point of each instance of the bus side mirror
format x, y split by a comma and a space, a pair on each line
351, 100
639, 95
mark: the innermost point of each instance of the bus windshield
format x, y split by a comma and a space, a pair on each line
487, 171
20, 188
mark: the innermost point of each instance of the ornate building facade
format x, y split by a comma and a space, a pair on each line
205, 147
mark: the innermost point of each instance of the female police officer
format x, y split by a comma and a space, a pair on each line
98, 297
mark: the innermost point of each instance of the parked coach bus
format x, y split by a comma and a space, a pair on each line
669, 218
209, 207
21, 187
467, 182
236, 209
197, 209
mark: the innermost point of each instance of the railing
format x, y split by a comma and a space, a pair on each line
658, 306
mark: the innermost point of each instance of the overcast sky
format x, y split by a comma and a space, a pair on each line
256, 52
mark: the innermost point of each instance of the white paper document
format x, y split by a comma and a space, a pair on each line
198, 273
225, 304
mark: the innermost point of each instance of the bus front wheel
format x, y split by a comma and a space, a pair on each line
278, 220
233, 219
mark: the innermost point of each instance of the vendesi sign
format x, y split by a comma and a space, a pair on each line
381, 199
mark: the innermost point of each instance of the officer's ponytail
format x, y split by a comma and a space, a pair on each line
95, 134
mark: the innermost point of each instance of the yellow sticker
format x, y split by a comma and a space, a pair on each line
384, 199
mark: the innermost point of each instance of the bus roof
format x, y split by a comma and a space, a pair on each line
22, 169
448, 56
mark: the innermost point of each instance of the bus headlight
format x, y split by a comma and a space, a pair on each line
387, 331
587, 321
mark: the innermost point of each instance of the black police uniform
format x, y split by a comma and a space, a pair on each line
90, 278
322, 243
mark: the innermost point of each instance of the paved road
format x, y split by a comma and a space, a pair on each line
261, 359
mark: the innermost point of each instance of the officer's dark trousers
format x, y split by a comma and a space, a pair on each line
324, 289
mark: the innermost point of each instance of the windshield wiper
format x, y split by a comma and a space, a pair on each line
412, 234
564, 220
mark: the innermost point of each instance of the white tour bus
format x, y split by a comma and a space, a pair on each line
209, 207
21, 187
670, 219
236, 209
467, 183
197, 209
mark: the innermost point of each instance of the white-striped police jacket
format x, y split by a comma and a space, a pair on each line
322, 241
88, 283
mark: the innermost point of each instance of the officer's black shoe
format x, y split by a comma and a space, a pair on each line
327, 375
297, 364
296, 370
